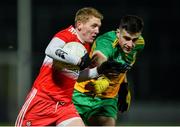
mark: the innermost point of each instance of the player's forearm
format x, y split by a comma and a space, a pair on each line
98, 58
55, 51
88, 74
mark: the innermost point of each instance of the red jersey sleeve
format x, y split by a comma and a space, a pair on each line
69, 35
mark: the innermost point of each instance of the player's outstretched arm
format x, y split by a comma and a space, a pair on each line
111, 67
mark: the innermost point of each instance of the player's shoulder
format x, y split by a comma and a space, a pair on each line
68, 34
68, 30
108, 35
106, 38
140, 41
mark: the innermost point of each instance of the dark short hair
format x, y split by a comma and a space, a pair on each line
132, 24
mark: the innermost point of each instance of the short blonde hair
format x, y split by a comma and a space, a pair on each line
85, 13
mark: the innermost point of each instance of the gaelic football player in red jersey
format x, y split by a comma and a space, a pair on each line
49, 102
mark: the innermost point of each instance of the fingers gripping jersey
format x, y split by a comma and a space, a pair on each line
58, 83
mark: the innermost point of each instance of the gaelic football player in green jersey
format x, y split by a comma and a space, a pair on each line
99, 100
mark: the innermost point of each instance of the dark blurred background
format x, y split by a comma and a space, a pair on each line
27, 26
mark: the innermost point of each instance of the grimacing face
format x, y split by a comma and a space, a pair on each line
88, 30
127, 41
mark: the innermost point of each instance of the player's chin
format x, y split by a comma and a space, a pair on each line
127, 50
90, 40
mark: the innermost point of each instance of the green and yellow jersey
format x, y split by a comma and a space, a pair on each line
107, 44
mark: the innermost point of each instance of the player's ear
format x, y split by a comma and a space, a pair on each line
118, 32
78, 25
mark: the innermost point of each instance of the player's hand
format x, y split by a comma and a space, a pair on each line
112, 67
124, 97
100, 85
85, 62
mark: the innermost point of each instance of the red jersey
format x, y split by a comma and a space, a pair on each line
59, 84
